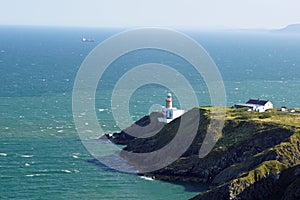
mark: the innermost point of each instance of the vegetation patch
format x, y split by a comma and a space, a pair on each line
265, 169
265, 115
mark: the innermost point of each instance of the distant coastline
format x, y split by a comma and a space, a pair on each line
292, 28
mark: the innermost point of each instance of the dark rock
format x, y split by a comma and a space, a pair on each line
144, 127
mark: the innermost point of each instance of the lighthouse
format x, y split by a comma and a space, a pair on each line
169, 101
169, 112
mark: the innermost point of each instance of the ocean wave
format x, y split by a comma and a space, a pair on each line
75, 156
102, 109
88, 131
275, 81
147, 178
3, 154
33, 175
66, 171
26, 156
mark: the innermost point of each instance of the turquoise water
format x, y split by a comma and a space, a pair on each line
41, 155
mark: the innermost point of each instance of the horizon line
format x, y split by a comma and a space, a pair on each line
216, 28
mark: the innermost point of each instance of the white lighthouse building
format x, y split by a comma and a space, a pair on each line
169, 112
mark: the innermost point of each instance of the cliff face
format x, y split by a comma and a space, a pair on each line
256, 157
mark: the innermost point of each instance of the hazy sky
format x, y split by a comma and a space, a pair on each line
167, 13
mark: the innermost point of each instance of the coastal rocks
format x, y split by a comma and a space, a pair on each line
144, 127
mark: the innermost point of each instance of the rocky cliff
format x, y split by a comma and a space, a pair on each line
257, 155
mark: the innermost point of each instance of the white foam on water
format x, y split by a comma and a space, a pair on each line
33, 175
66, 171
26, 156
147, 178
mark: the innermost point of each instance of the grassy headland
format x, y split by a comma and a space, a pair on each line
257, 155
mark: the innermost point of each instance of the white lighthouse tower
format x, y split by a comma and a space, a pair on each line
169, 112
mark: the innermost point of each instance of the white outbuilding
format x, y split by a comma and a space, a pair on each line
256, 105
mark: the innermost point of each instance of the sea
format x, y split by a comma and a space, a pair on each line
41, 154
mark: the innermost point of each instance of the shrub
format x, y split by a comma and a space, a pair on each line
239, 110
243, 117
265, 115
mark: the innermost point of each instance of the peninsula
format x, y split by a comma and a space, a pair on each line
257, 155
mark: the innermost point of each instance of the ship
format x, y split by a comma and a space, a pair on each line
87, 40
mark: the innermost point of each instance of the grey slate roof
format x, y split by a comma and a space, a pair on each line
257, 102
